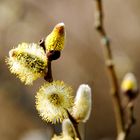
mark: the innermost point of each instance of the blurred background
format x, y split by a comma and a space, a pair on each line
81, 61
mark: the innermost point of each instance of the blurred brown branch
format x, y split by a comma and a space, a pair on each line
121, 131
131, 118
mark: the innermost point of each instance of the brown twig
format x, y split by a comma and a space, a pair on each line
48, 76
131, 119
75, 124
110, 66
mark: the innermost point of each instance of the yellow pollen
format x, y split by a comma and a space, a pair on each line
54, 98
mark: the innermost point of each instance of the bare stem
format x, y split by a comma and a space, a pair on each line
131, 119
48, 77
110, 66
53, 55
75, 124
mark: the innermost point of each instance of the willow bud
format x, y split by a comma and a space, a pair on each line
129, 85
82, 106
68, 129
55, 40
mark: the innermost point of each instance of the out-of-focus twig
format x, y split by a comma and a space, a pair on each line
131, 119
110, 66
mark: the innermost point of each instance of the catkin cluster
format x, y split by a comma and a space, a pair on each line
55, 99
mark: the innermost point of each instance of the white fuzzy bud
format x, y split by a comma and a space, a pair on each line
68, 129
83, 102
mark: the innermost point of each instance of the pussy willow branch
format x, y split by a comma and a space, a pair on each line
110, 66
49, 78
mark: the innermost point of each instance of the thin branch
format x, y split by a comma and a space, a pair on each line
75, 124
48, 77
131, 119
110, 66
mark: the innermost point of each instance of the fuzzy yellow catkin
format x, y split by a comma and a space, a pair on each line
28, 62
53, 100
82, 105
55, 40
